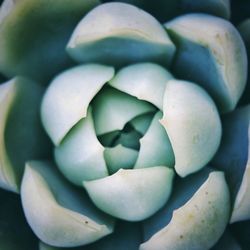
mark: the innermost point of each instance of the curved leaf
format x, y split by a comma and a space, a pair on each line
220, 51
120, 157
59, 214
67, 99
190, 117
132, 194
207, 211
148, 86
80, 155
118, 33
20, 125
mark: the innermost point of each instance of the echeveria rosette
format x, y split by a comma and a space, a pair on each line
132, 139
108, 114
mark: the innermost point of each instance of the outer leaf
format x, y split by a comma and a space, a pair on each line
207, 211
132, 194
68, 97
80, 155
190, 117
127, 235
233, 157
34, 33
244, 29
156, 149
58, 214
148, 86
118, 33
20, 125
220, 51
165, 10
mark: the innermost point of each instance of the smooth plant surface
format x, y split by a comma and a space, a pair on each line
124, 125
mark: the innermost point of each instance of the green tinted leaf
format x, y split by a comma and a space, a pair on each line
214, 57
207, 211
190, 117
80, 155
132, 194
59, 214
119, 157
146, 81
156, 149
118, 33
67, 99
112, 109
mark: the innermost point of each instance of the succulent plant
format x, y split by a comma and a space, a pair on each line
124, 125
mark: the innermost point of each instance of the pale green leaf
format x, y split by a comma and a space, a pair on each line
112, 109
118, 33
59, 214
132, 194
80, 155
193, 125
120, 157
200, 222
156, 149
146, 81
214, 57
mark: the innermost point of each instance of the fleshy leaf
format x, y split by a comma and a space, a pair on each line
146, 81
59, 214
80, 155
233, 157
207, 211
34, 34
156, 149
126, 235
184, 189
132, 194
67, 99
119, 33
119, 157
190, 117
214, 57
112, 109
20, 125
